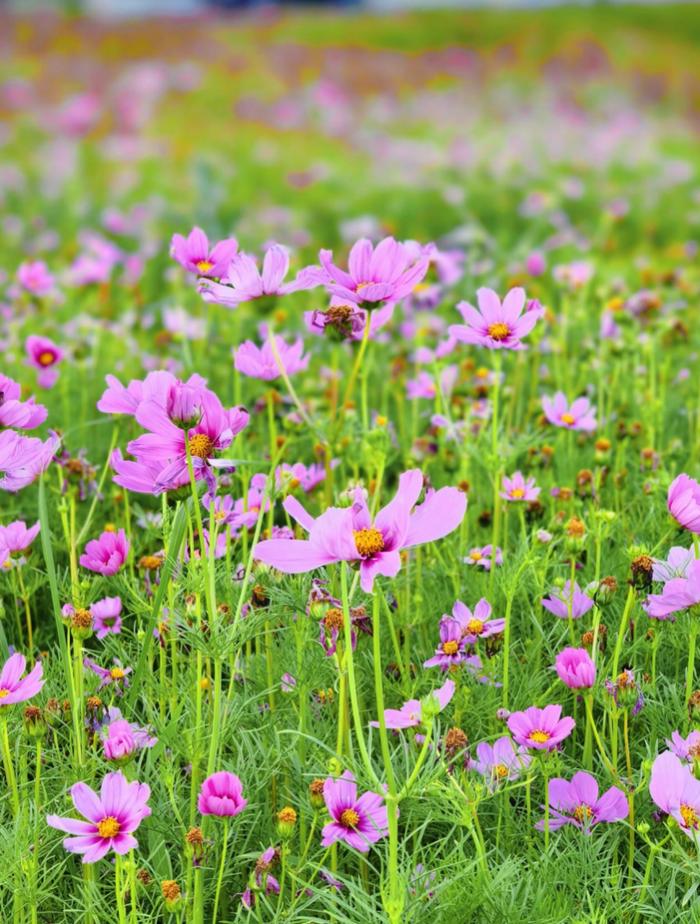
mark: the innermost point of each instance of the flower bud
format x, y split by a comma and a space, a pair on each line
171, 894
286, 821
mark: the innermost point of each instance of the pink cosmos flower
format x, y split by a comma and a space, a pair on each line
116, 676
34, 277
261, 362
348, 533
410, 714
541, 729
159, 386
107, 554
536, 264
676, 565
17, 689
577, 803
193, 252
561, 598
23, 459
684, 502
24, 415
221, 794
106, 615
495, 326
112, 817
478, 624
299, 475
244, 282
575, 668
484, 557
517, 488
450, 651
580, 416
677, 594
677, 792
359, 822
16, 537
687, 749
500, 762
166, 443
122, 739
44, 355
385, 273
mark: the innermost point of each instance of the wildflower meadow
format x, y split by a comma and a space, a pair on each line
349, 481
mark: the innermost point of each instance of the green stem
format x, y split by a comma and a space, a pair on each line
9, 766
220, 877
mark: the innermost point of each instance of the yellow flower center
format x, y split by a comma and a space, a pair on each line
517, 492
689, 816
201, 446
475, 627
450, 648
4, 693
583, 813
540, 736
203, 266
500, 771
369, 542
45, 358
499, 331
117, 673
476, 555
567, 419
108, 827
350, 818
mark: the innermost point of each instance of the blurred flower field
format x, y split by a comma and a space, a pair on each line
349, 426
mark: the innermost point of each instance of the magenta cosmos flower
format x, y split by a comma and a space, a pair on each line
541, 729
678, 594
17, 537
576, 803
122, 739
24, 415
478, 624
165, 445
677, 792
561, 599
495, 326
385, 273
23, 459
348, 533
195, 255
413, 712
484, 557
517, 488
107, 554
575, 668
500, 762
45, 356
17, 689
221, 794
112, 817
244, 282
684, 502
580, 416
262, 363
360, 822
